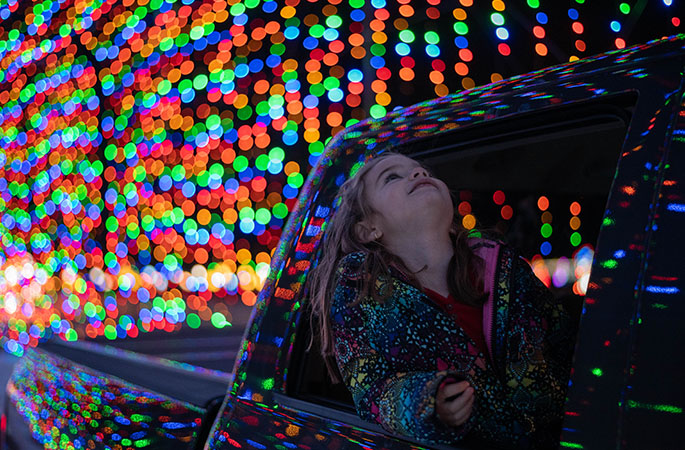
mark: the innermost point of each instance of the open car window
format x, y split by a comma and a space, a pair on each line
539, 181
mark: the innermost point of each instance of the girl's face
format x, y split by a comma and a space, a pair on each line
406, 200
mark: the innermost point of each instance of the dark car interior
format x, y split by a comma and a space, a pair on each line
567, 154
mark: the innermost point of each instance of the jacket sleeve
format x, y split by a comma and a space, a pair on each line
401, 402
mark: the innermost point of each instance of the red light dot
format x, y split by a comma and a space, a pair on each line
580, 45
543, 203
464, 208
507, 212
498, 197
407, 61
577, 27
620, 43
465, 54
539, 32
504, 49
675, 21
438, 65
575, 208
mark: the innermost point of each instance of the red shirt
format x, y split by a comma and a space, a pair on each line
469, 318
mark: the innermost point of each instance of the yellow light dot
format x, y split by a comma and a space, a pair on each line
573, 58
383, 98
469, 221
230, 215
498, 5
204, 216
291, 167
287, 12
243, 256
459, 14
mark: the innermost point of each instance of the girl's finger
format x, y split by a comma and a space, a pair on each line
458, 403
454, 389
463, 415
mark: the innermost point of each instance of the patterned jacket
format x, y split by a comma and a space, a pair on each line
394, 355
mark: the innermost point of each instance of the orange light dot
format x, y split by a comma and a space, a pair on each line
333, 119
507, 212
461, 69
580, 45
406, 74
465, 54
248, 298
436, 77
541, 49
201, 255
466, 3
620, 43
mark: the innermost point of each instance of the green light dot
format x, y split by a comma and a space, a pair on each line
276, 154
268, 384
356, 3
170, 262
219, 320
407, 36
200, 82
240, 163
317, 30
178, 173
112, 224
331, 83
546, 230
334, 21
597, 372
193, 320
246, 213
237, 9
71, 335
461, 28
263, 216
110, 332
576, 239
164, 87
262, 162
431, 37
377, 111
295, 180
280, 210
624, 8
497, 19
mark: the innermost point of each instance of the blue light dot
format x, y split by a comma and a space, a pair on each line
502, 33
545, 248
355, 75
573, 14
461, 42
615, 26
541, 18
402, 49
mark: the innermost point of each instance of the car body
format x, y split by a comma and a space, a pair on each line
607, 132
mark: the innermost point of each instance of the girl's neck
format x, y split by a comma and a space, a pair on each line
428, 258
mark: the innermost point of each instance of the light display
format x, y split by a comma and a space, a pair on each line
152, 149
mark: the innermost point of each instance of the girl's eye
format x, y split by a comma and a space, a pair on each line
391, 176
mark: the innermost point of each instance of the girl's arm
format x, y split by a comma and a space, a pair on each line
402, 402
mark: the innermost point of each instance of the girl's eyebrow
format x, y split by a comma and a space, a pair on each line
380, 175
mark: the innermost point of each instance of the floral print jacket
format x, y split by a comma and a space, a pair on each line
394, 355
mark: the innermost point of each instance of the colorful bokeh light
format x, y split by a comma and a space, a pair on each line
152, 149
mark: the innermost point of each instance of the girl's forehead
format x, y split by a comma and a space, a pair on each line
394, 160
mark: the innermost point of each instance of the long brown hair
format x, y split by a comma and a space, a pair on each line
463, 279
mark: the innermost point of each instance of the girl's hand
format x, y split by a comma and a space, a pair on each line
454, 402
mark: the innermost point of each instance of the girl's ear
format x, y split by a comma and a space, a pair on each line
366, 232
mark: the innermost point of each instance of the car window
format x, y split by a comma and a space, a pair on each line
539, 181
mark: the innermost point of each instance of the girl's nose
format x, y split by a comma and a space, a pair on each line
419, 171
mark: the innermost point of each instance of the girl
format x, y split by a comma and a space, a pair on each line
437, 336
